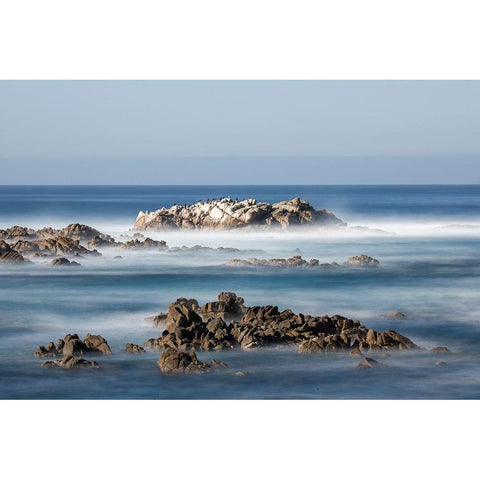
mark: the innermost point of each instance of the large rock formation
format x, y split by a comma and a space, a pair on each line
227, 213
53, 246
8, 254
75, 231
266, 325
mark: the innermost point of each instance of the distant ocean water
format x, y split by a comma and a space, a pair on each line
430, 270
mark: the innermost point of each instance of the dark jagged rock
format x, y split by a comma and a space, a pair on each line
9, 255
133, 348
64, 262
298, 262
71, 362
227, 214
16, 233
368, 363
74, 231
266, 325
228, 306
174, 361
219, 364
190, 303
362, 261
72, 345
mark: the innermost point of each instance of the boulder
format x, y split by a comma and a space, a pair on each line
440, 350
362, 261
175, 361
96, 343
63, 262
8, 254
368, 363
77, 231
71, 345
133, 348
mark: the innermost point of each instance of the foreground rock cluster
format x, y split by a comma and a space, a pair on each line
298, 262
214, 327
72, 345
226, 213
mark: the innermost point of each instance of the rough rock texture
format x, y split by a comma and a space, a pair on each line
266, 325
227, 213
228, 306
190, 303
53, 246
148, 243
16, 233
102, 241
72, 345
175, 361
368, 363
294, 262
8, 254
77, 231
133, 348
71, 362
362, 261
63, 262
440, 350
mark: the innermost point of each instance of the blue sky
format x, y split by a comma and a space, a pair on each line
237, 132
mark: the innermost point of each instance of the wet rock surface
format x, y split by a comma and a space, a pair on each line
8, 254
362, 261
226, 213
175, 361
267, 326
134, 348
70, 362
72, 345
64, 262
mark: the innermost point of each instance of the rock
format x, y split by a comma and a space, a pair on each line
71, 345
133, 348
146, 244
54, 246
440, 364
355, 352
160, 320
17, 233
265, 325
70, 362
117, 256
240, 373
102, 241
395, 315
96, 343
368, 363
190, 303
219, 364
362, 261
8, 254
77, 231
440, 350
227, 214
63, 262
175, 361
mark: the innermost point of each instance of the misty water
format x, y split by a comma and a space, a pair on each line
430, 270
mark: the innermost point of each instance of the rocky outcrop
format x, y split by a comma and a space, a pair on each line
134, 348
9, 255
54, 246
226, 214
266, 325
362, 261
201, 248
64, 262
175, 361
298, 262
17, 233
71, 362
369, 363
78, 231
146, 244
228, 306
394, 315
440, 350
102, 241
75, 231
72, 345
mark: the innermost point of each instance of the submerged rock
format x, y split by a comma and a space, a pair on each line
64, 262
71, 362
227, 214
298, 262
368, 363
440, 350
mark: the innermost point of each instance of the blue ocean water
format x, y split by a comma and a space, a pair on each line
430, 270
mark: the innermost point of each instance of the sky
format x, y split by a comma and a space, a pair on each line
239, 132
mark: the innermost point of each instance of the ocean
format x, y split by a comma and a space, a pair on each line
427, 239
